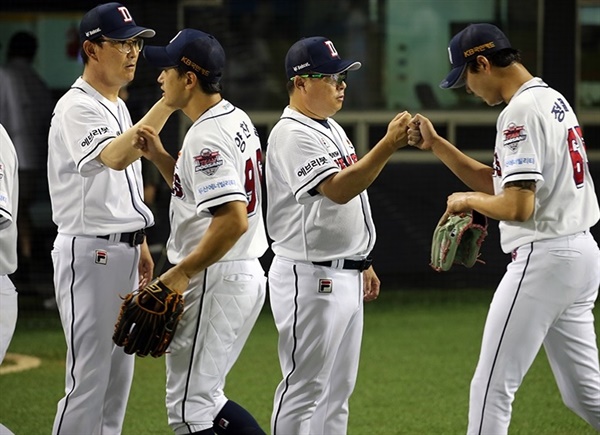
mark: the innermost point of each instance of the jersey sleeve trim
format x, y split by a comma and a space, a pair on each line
87, 158
314, 182
220, 200
6, 218
522, 176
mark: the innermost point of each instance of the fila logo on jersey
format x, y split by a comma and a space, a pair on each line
101, 256
325, 285
513, 134
208, 161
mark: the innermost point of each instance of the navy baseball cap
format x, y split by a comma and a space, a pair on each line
112, 20
193, 49
318, 55
466, 45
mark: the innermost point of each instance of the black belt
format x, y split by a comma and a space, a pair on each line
135, 238
348, 264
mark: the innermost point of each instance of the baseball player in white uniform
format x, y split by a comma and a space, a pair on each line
100, 252
9, 200
217, 235
540, 189
319, 218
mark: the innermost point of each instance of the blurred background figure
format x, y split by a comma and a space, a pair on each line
26, 105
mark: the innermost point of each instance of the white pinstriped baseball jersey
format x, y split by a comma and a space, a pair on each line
87, 197
305, 225
9, 199
539, 138
220, 161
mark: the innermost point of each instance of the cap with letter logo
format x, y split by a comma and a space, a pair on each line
317, 55
113, 21
466, 45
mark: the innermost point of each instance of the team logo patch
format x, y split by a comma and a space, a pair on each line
100, 256
513, 134
325, 285
208, 161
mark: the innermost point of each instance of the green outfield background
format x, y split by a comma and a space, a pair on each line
419, 351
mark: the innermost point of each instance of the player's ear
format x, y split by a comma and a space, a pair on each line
191, 79
483, 63
299, 82
90, 49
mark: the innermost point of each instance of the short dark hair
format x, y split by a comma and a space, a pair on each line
501, 58
207, 88
22, 44
290, 86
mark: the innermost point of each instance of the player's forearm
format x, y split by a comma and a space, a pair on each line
165, 164
353, 180
516, 205
474, 174
120, 152
228, 224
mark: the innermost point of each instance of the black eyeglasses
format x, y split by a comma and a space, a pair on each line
127, 46
336, 79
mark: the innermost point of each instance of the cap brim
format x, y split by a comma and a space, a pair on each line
158, 56
131, 32
454, 79
338, 66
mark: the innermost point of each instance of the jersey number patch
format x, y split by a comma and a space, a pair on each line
253, 181
576, 143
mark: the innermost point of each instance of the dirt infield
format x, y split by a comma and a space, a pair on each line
14, 362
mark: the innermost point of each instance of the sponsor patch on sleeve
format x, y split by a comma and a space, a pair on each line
3, 199
208, 161
310, 165
214, 186
519, 163
93, 133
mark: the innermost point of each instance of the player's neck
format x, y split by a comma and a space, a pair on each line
516, 76
200, 105
108, 90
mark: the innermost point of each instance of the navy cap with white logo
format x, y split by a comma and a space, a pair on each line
317, 55
193, 49
113, 21
466, 45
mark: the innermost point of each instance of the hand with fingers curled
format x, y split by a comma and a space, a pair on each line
421, 133
397, 130
146, 140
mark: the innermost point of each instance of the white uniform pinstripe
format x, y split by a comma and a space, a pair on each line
318, 310
548, 292
91, 273
220, 161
